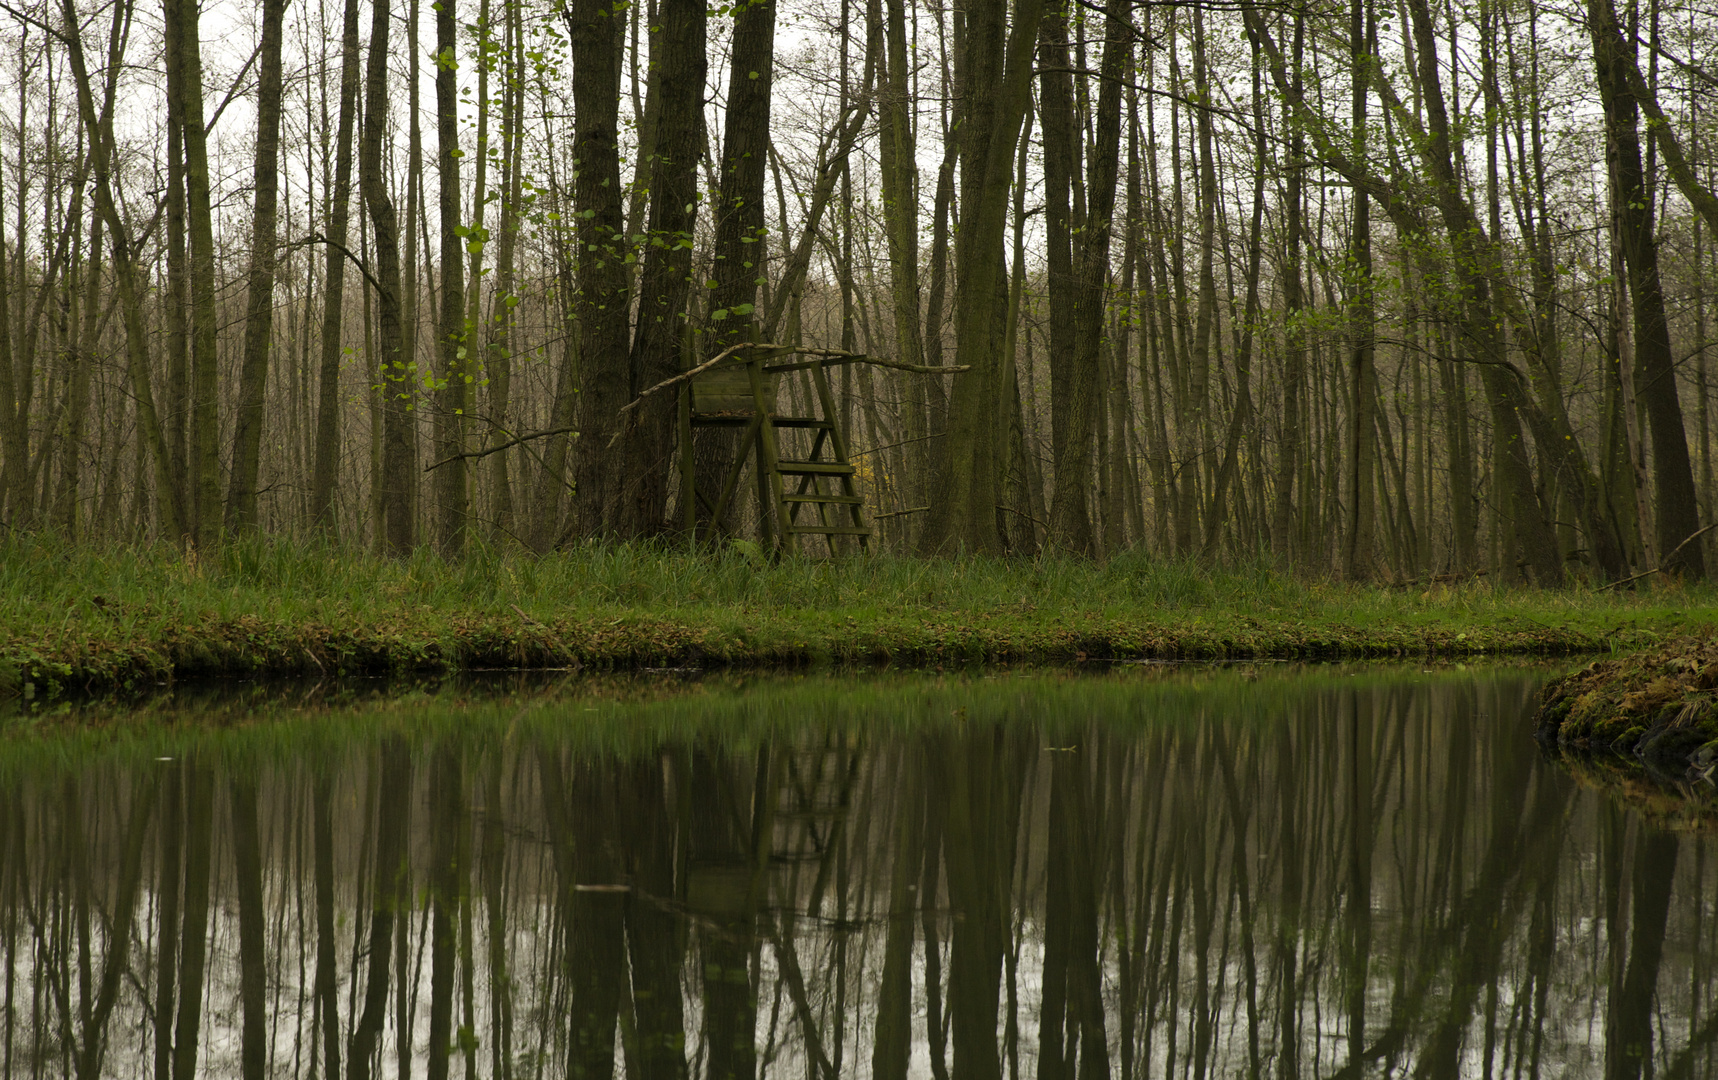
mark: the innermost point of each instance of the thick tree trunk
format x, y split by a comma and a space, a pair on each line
996, 70
601, 303
678, 60
1070, 519
736, 264
1678, 510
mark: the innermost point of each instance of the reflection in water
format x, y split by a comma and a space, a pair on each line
1067, 879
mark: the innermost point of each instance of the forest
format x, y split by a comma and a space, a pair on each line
1384, 291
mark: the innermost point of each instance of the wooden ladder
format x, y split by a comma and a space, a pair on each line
743, 393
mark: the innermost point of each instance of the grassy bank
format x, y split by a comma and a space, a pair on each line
106, 618
1658, 707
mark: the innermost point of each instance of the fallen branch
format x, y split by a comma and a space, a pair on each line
1440, 579
1664, 567
508, 445
899, 513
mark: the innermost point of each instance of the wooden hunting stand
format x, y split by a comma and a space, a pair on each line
738, 389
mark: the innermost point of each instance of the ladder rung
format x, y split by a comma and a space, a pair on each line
830, 530
800, 422
815, 468
725, 419
813, 497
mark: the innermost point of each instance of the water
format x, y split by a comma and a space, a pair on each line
1190, 873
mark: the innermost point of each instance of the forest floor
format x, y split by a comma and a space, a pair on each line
76, 618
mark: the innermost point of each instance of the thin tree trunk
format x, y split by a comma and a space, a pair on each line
324, 475
899, 179
1284, 519
259, 307
99, 131
253, 958
1358, 564
454, 380
395, 370
205, 464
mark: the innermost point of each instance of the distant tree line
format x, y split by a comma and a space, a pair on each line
1394, 291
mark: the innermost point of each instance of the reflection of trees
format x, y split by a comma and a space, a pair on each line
1374, 879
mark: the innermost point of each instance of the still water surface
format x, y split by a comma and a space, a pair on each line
1195, 873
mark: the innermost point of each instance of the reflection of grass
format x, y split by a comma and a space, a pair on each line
1668, 802
627, 714
116, 616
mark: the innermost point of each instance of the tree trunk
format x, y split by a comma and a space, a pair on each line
1284, 519
601, 303
1678, 510
1531, 533
736, 266
899, 179
259, 307
394, 370
205, 460
678, 63
1358, 564
454, 380
99, 131
324, 475
995, 75
1070, 443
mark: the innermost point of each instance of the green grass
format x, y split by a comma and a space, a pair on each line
117, 616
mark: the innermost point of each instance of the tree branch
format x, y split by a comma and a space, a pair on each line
508, 445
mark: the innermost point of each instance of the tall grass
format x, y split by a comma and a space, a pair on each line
110, 615
46, 580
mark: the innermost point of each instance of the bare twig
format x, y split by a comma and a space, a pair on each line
903, 442
1664, 567
318, 238
508, 445
840, 354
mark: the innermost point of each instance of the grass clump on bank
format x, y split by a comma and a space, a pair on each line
115, 616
